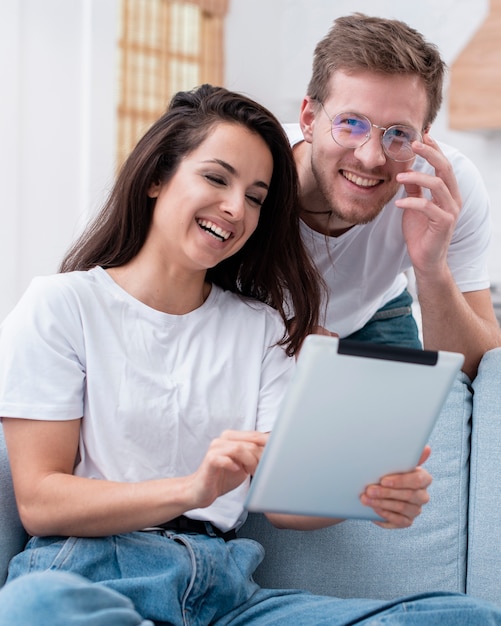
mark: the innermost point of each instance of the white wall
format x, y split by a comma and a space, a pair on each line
57, 110
57, 71
270, 44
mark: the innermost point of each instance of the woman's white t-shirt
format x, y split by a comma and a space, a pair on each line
154, 389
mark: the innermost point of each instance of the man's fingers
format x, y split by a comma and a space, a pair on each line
425, 455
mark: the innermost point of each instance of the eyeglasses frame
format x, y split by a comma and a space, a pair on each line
369, 135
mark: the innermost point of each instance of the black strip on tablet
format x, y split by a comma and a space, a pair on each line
388, 353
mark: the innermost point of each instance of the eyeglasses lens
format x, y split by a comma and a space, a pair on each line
397, 142
350, 131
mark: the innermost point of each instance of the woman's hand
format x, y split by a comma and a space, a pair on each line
231, 458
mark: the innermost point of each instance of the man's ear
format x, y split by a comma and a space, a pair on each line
307, 117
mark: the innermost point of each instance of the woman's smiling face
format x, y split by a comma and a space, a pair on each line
210, 207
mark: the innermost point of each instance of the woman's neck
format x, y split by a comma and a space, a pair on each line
162, 290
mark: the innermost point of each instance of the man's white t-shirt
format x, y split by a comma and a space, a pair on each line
154, 389
365, 267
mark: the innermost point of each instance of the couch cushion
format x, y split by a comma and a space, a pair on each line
12, 534
359, 559
484, 541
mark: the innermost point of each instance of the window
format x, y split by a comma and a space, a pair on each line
165, 46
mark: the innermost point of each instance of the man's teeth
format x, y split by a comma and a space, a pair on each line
358, 180
215, 230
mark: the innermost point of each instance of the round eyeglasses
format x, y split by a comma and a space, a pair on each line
352, 130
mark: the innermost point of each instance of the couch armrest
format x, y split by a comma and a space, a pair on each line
12, 534
484, 535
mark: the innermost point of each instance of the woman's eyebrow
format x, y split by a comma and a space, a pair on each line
229, 168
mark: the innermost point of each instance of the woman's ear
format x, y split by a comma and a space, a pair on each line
154, 190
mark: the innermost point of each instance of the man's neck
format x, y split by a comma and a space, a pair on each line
316, 212
325, 223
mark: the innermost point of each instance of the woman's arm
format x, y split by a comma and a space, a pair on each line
52, 501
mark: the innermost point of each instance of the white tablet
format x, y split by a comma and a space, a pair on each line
353, 413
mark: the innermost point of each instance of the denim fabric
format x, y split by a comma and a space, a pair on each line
190, 579
56, 598
393, 324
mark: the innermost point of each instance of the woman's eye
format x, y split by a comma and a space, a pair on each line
215, 179
256, 201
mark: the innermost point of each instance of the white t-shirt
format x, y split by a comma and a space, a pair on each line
365, 267
154, 389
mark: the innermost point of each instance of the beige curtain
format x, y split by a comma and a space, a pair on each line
164, 46
214, 7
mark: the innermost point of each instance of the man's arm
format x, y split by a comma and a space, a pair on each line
461, 322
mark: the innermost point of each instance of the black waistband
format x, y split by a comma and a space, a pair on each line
184, 524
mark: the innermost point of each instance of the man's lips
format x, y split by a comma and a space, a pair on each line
356, 179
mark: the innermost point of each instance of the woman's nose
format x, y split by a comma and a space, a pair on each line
234, 206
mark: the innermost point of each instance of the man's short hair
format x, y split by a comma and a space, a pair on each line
358, 43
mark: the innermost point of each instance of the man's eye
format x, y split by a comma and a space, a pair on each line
352, 125
403, 133
356, 126
350, 121
398, 133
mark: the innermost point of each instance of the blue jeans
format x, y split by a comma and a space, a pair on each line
393, 324
145, 578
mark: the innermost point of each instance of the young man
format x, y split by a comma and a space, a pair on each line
380, 196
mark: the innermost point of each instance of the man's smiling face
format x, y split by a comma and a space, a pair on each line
355, 184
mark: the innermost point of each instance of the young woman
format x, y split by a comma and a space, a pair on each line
137, 386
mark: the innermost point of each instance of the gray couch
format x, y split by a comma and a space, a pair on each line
455, 545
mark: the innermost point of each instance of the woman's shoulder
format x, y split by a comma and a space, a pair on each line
55, 291
62, 280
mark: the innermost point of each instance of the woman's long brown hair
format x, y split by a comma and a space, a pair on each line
273, 266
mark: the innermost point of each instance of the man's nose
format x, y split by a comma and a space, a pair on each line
371, 153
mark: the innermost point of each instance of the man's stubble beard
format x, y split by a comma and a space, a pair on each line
364, 213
